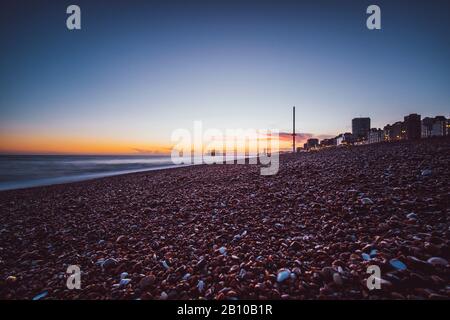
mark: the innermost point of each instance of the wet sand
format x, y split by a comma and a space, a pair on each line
226, 232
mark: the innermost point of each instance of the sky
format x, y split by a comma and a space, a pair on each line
138, 70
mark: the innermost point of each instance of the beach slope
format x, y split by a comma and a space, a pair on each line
225, 231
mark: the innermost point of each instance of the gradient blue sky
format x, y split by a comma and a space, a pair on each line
139, 69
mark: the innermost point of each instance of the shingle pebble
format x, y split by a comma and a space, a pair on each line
226, 232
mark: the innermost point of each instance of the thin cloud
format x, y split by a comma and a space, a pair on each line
152, 151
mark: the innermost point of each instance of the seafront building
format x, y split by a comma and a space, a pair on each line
434, 127
394, 132
375, 135
345, 138
411, 128
311, 143
360, 128
328, 142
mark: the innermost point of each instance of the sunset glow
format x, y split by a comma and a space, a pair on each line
24, 144
130, 77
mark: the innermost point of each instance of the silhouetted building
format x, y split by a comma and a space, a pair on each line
328, 142
360, 128
345, 138
432, 127
427, 127
312, 143
394, 132
387, 132
439, 126
412, 126
375, 136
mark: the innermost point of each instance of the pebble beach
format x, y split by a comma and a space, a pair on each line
227, 232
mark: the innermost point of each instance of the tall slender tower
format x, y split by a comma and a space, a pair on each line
293, 129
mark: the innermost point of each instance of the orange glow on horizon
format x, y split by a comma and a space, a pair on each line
16, 143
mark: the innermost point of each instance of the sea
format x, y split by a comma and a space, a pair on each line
23, 171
